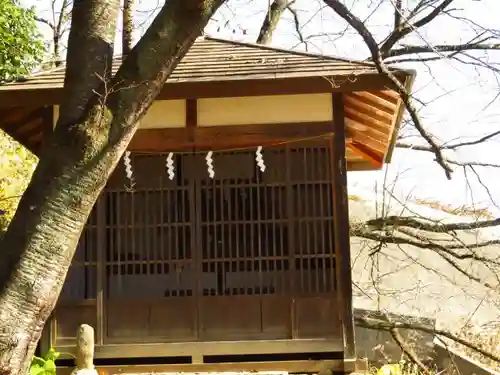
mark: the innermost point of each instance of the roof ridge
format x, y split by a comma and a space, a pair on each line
285, 50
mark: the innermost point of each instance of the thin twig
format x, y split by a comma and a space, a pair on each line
382, 325
369, 40
407, 350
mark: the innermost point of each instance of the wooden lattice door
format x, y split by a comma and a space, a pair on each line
150, 270
246, 255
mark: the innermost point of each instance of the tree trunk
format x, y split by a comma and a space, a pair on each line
97, 120
58, 32
128, 27
271, 21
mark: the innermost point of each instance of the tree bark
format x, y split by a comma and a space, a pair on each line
97, 120
269, 24
128, 27
58, 32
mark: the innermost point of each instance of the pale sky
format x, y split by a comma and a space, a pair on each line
458, 96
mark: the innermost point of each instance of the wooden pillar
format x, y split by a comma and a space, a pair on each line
341, 213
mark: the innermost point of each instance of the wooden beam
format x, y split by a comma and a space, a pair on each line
304, 366
225, 137
408, 84
12, 126
24, 94
47, 128
25, 126
341, 223
375, 160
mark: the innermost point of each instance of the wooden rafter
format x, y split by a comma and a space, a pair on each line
366, 154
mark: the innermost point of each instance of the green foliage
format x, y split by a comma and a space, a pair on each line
45, 365
21, 49
21, 45
16, 166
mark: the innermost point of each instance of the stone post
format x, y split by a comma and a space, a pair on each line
84, 351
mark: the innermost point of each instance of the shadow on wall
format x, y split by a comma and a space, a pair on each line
379, 347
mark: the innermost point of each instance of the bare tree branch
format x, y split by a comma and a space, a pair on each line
58, 31
410, 49
394, 239
369, 40
398, 12
470, 164
405, 230
296, 24
401, 32
56, 25
45, 21
453, 146
407, 350
411, 222
473, 164
382, 325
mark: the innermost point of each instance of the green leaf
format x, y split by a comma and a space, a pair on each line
21, 44
45, 365
52, 355
37, 361
50, 367
36, 370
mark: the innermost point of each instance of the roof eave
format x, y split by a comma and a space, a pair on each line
318, 83
408, 85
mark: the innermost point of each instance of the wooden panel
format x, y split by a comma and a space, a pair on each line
161, 114
276, 316
270, 109
130, 325
167, 320
165, 114
318, 317
230, 318
69, 317
225, 137
173, 319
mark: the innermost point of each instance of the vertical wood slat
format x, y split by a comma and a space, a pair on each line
341, 213
291, 241
100, 267
197, 257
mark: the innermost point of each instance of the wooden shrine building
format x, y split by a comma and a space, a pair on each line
248, 268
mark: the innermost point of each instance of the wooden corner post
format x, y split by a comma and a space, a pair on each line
341, 213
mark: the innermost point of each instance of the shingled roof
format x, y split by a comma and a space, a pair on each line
215, 68
211, 59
